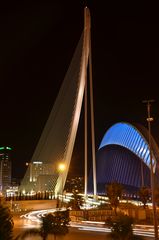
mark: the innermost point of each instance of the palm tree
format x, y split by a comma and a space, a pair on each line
144, 194
114, 193
56, 224
76, 201
121, 227
6, 223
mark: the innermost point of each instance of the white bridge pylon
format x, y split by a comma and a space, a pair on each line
58, 137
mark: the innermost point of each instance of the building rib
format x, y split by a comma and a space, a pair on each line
128, 136
123, 155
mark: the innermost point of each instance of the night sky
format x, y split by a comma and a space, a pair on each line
37, 42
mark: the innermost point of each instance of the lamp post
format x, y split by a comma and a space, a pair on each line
149, 120
61, 169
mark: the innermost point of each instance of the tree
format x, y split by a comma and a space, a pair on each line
144, 194
114, 193
122, 228
76, 202
6, 223
55, 223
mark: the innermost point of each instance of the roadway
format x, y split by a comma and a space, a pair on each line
77, 230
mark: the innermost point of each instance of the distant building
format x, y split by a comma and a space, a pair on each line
5, 168
124, 157
37, 169
41, 177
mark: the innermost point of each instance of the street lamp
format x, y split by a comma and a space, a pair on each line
61, 169
149, 120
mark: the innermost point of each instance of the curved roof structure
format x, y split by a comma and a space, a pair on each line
124, 156
132, 138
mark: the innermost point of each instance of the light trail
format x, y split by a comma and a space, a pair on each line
35, 216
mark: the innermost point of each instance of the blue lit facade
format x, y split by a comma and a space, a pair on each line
123, 156
127, 136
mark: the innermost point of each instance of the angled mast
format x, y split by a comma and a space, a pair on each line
57, 140
87, 44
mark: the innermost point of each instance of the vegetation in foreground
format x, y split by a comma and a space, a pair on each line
55, 223
6, 223
121, 228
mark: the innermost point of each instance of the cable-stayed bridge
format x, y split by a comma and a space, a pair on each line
58, 137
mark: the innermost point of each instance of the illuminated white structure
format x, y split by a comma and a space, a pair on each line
57, 140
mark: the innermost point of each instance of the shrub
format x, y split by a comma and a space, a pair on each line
6, 223
121, 227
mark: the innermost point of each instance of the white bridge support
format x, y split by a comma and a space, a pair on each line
58, 137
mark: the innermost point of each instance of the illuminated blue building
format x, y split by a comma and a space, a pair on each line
123, 156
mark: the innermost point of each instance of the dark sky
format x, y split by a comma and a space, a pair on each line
37, 42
